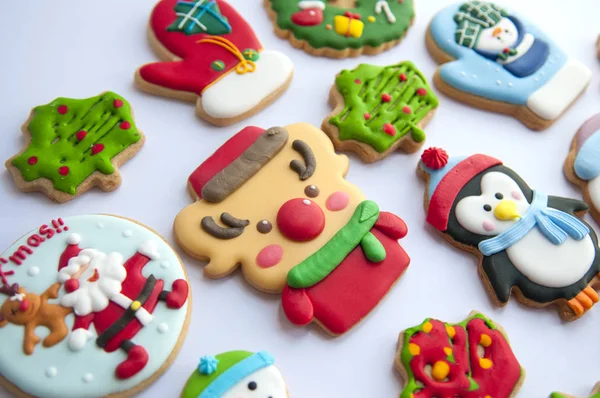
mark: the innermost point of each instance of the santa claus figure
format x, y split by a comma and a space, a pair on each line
109, 292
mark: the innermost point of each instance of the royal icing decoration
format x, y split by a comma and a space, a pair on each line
312, 235
75, 144
526, 239
236, 374
347, 28
96, 292
465, 360
212, 54
492, 53
383, 107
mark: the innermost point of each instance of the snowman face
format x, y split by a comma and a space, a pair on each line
499, 207
500, 36
265, 383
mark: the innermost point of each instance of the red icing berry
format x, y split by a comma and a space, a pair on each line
402, 77
80, 135
389, 129
357, 81
434, 158
117, 103
63, 170
386, 97
62, 109
406, 109
367, 116
71, 285
506, 50
300, 220
421, 91
97, 148
32, 160
125, 125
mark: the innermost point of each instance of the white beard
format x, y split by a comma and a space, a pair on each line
93, 296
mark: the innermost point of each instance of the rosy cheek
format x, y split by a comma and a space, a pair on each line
269, 256
517, 195
337, 201
488, 226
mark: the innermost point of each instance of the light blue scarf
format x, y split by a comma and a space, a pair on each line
554, 224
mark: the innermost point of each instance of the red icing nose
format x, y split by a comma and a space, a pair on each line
24, 305
300, 220
71, 285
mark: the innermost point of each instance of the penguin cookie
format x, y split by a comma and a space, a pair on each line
528, 242
494, 60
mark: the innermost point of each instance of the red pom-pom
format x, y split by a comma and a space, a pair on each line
434, 158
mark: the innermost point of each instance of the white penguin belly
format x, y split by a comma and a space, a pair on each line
594, 191
551, 265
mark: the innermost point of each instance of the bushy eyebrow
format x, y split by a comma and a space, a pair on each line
235, 226
306, 170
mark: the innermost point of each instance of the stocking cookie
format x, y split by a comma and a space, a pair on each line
276, 204
74, 145
495, 60
379, 109
236, 374
212, 56
595, 393
341, 28
527, 242
582, 166
465, 360
108, 295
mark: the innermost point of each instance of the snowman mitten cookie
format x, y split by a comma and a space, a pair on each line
212, 56
236, 374
527, 242
275, 203
495, 60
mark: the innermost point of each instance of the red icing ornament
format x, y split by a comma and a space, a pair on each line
308, 17
80, 135
367, 116
300, 220
357, 81
71, 285
386, 97
434, 158
402, 77
125, 125
421, 92
389, 129
97, 148
63, 170
32, 160
62, 109
406, 109
117, 103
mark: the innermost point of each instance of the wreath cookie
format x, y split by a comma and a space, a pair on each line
341, 28
379, 109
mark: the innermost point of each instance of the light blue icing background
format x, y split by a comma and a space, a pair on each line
487, 72
587, 162
29, 372
435, 176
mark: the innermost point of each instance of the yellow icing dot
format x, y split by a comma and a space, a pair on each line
427, 326
485, 363
448, 351
440, 370
485, 340
451, 331
328, 27
414, 349
371, 19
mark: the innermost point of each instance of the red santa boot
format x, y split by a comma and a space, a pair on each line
137, 358
177, 296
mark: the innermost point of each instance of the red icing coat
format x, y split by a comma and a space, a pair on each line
194, 72
355, 287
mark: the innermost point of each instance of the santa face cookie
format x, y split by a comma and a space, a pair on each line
74, 145
379, 109
465, 360
582, 166
527, 241
236, 374
212, 56
342, 28
93, 305
495, 60
276, 204
595, 393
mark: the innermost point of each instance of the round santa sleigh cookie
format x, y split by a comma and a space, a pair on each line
92, 305
275, 203
495, 60
236, 374
341, 28
527, 242
595, 393
212, 56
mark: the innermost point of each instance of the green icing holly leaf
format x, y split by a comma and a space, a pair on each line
383, 104
73, 138
201, 16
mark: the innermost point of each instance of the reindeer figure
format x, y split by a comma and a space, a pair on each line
30, 310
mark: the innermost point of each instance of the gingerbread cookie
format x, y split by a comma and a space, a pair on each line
471, 359
276, 204
595, 393
582, 166
74, 145
212, 56
236, 374
495, 60
94, 305
527, 242
341, 28
379, 109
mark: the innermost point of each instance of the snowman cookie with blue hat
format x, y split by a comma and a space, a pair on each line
528, 243
495, 60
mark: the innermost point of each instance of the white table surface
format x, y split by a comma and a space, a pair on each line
76, 48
